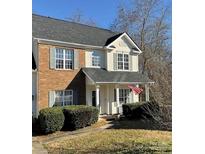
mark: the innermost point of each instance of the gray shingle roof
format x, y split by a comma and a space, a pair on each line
104, 76
55, 29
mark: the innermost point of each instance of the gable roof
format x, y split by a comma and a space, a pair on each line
102, 76
66, 31
120, 36
113, 38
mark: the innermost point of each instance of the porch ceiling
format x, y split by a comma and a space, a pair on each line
103, 76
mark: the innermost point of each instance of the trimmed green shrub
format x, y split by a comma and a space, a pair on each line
94, 114
79, 116
128, 109
141, 110
51, 119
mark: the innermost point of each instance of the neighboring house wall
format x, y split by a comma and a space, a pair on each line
122, 46
100, 53
35, 50
51, 79
34, 91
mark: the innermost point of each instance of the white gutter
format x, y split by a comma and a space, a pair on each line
70, 44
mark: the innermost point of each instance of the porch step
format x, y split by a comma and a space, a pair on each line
111, 117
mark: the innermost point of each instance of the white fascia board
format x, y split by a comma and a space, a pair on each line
128, 38
132, 42
108, 46
70, 44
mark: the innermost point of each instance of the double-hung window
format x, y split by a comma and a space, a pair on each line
63, 97
95, 59
124, 95
64, 58
122, 61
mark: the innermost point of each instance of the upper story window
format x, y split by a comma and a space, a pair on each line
64, 58
122, 61
95, 59
64, 97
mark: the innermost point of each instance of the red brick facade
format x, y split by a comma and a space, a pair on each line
51, 79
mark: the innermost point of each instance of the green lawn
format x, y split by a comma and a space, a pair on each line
115, 141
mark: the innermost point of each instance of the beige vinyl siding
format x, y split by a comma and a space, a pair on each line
121, 46
88, 58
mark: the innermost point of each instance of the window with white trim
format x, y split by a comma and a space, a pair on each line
122, 61
64, 58
124, 95
63, 97
95, 59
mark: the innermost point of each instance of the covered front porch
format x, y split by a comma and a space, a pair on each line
110, 97
109, 90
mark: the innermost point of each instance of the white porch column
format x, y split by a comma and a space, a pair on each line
117, 97
98, 97
108, 99
146, 92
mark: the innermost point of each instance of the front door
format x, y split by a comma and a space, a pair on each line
94, 98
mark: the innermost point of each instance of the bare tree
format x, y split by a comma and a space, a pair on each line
78, 17
147, 23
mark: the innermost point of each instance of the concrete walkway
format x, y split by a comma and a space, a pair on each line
37, 148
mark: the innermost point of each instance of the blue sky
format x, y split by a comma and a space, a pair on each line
103, 12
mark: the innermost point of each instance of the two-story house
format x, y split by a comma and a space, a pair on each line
79, 64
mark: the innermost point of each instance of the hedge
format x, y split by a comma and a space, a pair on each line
141, 110
94, 114
51, 119
79, 116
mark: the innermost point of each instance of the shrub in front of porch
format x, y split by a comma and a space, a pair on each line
51, 119
94, 115
141, 110
79, 116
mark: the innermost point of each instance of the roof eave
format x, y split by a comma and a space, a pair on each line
129, 39
70, 44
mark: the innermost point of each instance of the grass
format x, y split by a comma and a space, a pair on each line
45, 137
114, 141
101, 122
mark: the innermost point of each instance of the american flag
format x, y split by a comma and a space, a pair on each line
136, 90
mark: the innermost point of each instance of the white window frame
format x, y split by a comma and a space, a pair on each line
125, 96
63, 102
123, 61
95, 60
64, 59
